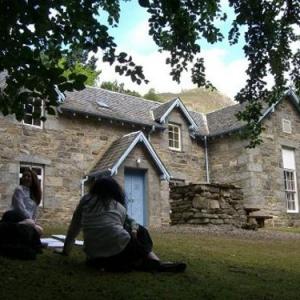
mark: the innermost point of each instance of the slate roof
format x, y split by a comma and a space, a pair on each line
138, 110
118, 151
114, 153
224, 120
120, 106
201, 121
160, 110
130, 109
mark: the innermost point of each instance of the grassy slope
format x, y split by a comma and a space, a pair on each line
218, 268
201, 100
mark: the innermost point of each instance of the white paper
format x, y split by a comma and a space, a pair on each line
52, 243
62, 237
59, 236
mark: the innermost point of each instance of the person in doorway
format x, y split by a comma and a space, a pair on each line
108, 245
25, 201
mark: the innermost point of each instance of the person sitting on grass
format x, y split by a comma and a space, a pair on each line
19, 237
101, 214
26, 199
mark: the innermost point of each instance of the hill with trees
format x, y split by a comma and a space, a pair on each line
200, 99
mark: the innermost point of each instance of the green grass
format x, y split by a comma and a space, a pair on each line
219, 267
286, 229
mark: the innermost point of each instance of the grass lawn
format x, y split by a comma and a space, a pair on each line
219, 267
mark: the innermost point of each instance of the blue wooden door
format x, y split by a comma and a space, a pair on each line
135, 195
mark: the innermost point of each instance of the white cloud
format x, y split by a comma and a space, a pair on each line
138, 39
228, 78
226, 74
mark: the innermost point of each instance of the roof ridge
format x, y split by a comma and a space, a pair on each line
131, 133
225, 107
114, 92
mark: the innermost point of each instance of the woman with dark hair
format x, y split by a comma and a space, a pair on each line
26, 199
27, 196
19, 234
101, 214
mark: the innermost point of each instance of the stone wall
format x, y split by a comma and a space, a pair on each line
259, 171
68, 147
188, 164
207, 204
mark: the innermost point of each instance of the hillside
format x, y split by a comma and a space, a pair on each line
200, 99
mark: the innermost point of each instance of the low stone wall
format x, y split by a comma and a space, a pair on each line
204, 204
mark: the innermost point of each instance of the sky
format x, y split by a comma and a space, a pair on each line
225, 64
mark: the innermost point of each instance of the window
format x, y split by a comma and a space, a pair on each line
29, 117
290, 182
174, 137
39, 170
286, 126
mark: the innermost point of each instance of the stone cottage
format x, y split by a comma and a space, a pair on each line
148, 146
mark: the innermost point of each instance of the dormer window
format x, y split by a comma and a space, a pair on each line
174, 137
31, 110
286, 126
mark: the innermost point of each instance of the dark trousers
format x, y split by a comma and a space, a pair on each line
134, 254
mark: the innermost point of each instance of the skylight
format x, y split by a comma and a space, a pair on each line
102, 104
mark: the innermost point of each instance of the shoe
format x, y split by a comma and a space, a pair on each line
149, 265
174, 267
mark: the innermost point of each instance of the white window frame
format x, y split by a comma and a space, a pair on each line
172, 126
40, 177
30, 115
286, 126
290, 186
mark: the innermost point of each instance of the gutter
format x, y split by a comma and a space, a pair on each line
93, 115
152, 130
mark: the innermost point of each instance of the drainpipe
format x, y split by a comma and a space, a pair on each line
82, 182
206, 159
149, 133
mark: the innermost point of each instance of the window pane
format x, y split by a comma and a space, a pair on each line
28, 109
174, 136
37, 108
290, 190
28, 119
31, 109
171, 143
